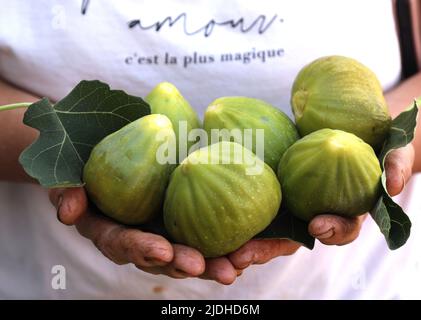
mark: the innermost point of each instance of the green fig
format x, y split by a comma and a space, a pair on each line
330, 172
248, 113
122, 175
167, 100
215, 204
340, 93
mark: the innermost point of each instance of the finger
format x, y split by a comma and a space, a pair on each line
70, 203
398, 166
166, 271
188, 261
258, 251
56, 196
335, 230
123, 245
74, 205
220, 270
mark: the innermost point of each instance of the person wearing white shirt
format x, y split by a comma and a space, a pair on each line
208, 50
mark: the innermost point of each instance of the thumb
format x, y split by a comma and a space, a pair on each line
335, 230
71, 204
398, 167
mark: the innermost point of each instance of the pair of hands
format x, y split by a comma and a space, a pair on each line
154, 254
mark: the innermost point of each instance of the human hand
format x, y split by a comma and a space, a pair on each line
328, 229
153, 253
121, 244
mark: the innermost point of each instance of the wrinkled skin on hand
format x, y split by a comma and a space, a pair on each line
154, 254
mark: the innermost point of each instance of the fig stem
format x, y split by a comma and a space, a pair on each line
15, 106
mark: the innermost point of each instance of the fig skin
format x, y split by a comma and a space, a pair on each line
216, 208
166, 99
337, 92
249, 113
122, 175
330, 172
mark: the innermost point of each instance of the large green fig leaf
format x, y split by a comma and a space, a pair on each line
389, 216
72, 127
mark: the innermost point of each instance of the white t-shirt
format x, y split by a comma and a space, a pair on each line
208, 50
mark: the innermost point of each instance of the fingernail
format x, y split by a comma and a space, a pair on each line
154, 261
325, 235
225, 282
60, 200
239, 272
182, 273
403, 181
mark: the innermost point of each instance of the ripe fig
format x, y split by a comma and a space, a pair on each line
330, 172
248, 113
340, 93
214, 204
167, 100
123, 177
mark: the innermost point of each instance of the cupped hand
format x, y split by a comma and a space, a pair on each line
329, 229
155, 254
121, 244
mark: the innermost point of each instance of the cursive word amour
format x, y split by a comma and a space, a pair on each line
261, 23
